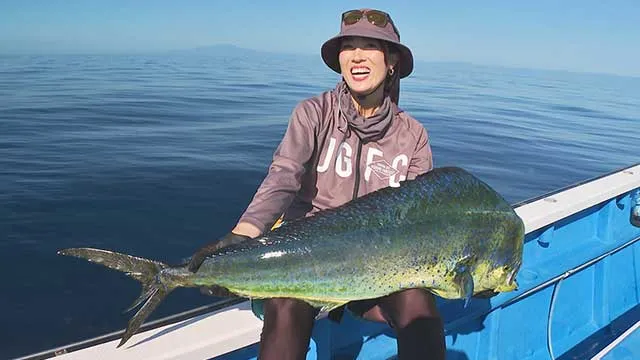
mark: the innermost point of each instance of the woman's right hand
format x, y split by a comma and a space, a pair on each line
211, 248
229, 240
243, 232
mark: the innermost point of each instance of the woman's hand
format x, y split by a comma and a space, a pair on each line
211, 248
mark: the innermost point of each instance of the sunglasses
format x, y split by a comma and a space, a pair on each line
375, 17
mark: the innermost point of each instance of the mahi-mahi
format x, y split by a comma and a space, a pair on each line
446, 231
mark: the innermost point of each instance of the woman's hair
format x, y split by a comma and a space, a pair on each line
392, 82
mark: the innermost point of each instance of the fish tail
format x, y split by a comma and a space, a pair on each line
145, 271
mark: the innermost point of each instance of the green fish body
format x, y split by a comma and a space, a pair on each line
445, 231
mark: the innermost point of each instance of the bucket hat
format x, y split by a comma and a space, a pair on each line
368, 25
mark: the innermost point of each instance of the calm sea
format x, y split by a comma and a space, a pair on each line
155, 155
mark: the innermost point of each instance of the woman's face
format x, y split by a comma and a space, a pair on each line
362, 64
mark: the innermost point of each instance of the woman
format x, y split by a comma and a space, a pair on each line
340, 145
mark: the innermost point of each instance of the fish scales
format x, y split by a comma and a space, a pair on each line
392, 240
445, 231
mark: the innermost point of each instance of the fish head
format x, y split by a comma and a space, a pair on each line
509, 255
498, 271
503, 278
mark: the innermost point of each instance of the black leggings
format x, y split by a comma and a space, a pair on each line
412, 313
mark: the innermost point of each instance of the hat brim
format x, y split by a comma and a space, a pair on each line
331, 49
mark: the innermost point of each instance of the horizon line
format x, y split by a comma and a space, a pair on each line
242, 48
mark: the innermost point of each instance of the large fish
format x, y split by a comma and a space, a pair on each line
445, 231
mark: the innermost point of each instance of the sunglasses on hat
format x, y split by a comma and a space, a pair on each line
375, 17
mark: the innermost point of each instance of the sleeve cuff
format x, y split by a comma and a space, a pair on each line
253, 221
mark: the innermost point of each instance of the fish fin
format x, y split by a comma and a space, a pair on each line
466, 287
464, 280
137, 268
156, 296
144, 270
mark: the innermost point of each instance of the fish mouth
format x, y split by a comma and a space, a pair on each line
511, 278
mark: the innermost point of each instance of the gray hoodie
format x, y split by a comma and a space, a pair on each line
330, 155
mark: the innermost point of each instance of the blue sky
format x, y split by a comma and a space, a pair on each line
586, 35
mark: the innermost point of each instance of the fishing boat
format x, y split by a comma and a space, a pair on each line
578, 297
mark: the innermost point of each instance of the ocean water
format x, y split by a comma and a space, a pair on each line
154, 155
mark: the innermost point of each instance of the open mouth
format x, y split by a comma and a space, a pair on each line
360, 72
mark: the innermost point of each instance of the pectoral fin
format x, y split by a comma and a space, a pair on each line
464, 280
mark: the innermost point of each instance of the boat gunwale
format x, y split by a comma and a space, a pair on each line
151, 325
